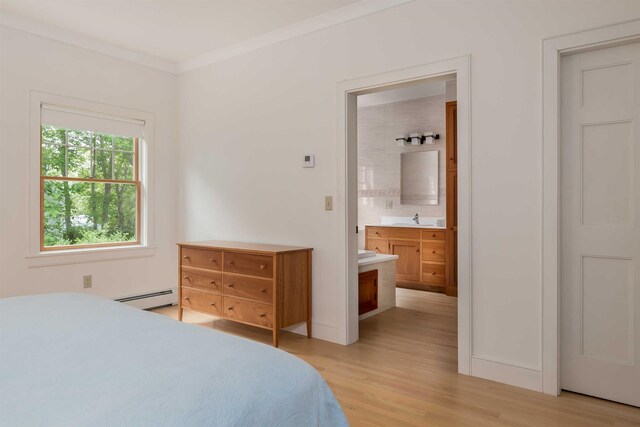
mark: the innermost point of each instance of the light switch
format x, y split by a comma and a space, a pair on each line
328, 203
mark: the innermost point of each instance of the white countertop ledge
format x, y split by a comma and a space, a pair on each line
376, 259
435, 227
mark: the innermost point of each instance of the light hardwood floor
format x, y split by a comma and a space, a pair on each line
402, 372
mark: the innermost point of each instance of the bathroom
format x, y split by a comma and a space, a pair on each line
407, 229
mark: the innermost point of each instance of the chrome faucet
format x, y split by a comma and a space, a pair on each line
416, 219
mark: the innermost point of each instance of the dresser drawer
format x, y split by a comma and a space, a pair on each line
377, 232
201, 300
381, 246
433, 251
202, 258
248, 311
248, 287
253, 265
404, 233
432, 234
209, 280
433, 274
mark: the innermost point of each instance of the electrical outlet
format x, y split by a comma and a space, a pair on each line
87, 281
388, 204
328, 203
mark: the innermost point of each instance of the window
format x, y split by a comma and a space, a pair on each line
90, 186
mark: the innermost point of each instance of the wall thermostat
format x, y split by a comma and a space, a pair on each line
309, 161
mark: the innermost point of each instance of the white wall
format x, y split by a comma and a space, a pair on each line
245, 124
29, 63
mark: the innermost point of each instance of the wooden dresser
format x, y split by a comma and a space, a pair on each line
422, 262
268, 286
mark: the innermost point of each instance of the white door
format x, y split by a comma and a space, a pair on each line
600, 257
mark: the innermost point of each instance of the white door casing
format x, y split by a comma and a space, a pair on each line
600, 223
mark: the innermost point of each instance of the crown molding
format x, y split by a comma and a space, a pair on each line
85, 42
334, 17
316, 23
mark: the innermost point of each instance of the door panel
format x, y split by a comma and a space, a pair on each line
367, 291
408, 263
600, 220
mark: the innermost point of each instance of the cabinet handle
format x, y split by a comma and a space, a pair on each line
263, 315
186, 298
213, 304
263, 290
433, 252
230, 285
262, 266
213, 282
433, 274
186, 257
230, 308
232, 263
213, 260
187, 278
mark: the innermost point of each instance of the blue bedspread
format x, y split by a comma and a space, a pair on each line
80, 360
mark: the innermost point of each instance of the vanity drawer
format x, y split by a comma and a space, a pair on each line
404, 233
433, 251
202, 258
379, 245
433, 273
248, 311
253, 265
377, 232
248, 287
432, 234
211, 281
201, 300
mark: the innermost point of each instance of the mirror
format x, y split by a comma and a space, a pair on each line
419, 178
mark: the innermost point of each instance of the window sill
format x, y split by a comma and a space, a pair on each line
79, 256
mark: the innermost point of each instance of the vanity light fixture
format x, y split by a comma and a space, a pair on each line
417, 139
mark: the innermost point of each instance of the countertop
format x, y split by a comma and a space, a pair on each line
434, 227
376, 259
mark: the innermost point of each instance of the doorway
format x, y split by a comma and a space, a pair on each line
600, 223
348, 238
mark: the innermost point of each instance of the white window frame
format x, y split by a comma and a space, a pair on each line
35, 256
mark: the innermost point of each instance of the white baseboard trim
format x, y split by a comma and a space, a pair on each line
506, 373
320, 331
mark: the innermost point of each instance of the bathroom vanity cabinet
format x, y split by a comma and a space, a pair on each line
422, 252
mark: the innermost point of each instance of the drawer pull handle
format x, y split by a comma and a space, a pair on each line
186, 257
232, 263
262, 266
263, 290
213, 260
187, 278
213, 304
433, 274
213, 282
263, 315
230, 308
433, 252
187, 298
433, 235
230, 285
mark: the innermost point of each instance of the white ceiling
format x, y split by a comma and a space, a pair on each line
169, 30
430, 87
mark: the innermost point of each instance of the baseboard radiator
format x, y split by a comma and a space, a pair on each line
152, 299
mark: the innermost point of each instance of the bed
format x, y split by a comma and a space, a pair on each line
82, 360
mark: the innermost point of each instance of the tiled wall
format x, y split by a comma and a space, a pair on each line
379, 157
